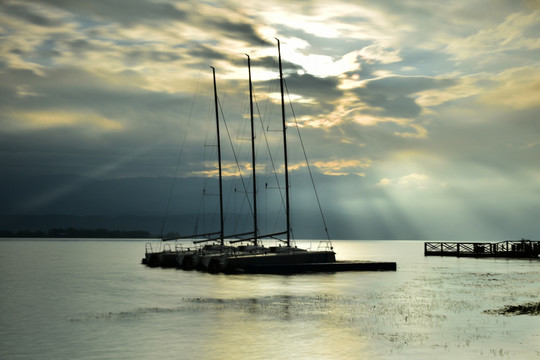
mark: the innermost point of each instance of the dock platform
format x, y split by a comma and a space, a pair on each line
504, 249
336, 266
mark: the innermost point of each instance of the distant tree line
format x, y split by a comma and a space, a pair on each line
76, 233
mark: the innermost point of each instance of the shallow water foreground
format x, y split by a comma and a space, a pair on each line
93, 300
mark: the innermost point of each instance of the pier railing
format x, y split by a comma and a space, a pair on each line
510, 248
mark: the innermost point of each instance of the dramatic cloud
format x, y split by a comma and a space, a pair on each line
517, 88
394, 95
419, 118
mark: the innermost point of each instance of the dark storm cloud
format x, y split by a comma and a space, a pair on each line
203, 51
125, 12
81, 46
321, 93
140, 56
123, 154
271, 63
238, 30
395, 94
144, 120
74, 88
25, 13
309, 86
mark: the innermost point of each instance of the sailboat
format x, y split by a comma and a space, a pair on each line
206, 257
203, 257
198, 257
257, 258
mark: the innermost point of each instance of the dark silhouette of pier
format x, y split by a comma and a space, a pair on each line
507, 249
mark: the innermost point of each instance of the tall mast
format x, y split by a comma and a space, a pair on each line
287, 202
221, 228
255, 227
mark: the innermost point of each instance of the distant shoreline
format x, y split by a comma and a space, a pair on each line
78, 233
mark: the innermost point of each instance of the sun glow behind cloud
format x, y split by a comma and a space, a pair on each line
57, 119
414, 180
343, 167
323, 65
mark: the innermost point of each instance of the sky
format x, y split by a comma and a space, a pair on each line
419, 118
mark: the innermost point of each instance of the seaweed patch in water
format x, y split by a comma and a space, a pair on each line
122, 315
523, 309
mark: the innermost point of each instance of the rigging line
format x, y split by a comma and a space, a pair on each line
307, 163
269, 108
271, 157
263, 133
234, 154
239, 185
269, 150
178, 160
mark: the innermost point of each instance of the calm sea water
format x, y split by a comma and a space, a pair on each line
94, 300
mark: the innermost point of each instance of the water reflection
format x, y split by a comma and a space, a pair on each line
277, 327
67, 300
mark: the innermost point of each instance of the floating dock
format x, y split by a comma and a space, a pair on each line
337, 266
504, 249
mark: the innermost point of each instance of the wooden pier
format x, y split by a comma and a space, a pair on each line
505, 249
